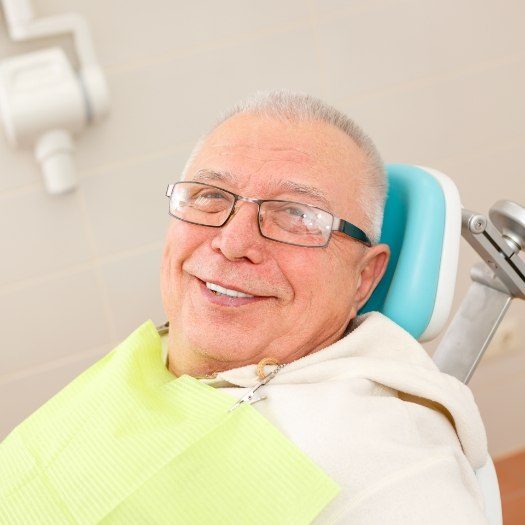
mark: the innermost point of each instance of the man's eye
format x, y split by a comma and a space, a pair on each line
295, 212
211, 195
297, 219
211, 201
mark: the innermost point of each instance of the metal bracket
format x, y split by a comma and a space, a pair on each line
499, 252
496, 282
471, 330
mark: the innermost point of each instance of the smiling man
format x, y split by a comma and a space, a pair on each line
268, 279
268, 400
272, 251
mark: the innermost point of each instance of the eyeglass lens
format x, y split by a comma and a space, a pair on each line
284, 221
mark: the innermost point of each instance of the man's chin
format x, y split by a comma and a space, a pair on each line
225, 351
229, 339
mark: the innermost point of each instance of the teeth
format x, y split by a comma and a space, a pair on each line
225, 291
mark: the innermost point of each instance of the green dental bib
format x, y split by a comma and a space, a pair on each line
126, 442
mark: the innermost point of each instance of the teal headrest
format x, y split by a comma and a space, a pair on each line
413, 227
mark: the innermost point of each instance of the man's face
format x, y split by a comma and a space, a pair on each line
303, 298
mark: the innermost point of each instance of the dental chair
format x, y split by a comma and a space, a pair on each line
423, 223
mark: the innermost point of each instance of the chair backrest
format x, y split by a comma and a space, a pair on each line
422, 226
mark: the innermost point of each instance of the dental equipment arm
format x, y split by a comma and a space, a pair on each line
22, 25
43, 101
500, 278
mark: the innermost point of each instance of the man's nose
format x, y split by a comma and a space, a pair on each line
240, 238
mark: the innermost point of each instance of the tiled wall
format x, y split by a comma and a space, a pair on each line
435, 82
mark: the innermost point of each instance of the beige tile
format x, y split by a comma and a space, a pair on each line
486, 176
127, 206
127, 30
501, 408
40, 233
174, 101
452, 116
17, 167
50, 320
19, 399
331, 8
393, 42
133, 290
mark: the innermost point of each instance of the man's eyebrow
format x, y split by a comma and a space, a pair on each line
290, 186
213, 176
287, 186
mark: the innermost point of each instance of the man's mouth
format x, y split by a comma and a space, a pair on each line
219, 290
228, 294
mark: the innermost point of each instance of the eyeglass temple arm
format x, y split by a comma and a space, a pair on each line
169, 190
349, 229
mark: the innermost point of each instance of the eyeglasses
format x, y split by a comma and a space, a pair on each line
284, 221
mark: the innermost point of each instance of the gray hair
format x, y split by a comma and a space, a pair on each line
288, 106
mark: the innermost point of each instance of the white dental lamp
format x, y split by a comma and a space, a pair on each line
43, 101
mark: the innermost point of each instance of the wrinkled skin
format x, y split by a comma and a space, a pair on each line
304, 297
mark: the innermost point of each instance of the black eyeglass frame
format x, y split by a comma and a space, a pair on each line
338, 224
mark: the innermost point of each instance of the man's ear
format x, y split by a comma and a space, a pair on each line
373, 267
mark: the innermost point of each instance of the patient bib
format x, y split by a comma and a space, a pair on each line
126, 442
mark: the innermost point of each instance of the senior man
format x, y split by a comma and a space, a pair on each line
272, 251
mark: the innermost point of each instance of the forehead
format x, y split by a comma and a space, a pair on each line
265, 157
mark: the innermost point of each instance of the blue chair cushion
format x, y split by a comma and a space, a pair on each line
413, 227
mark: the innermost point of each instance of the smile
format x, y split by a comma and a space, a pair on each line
219, 290
222, 297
